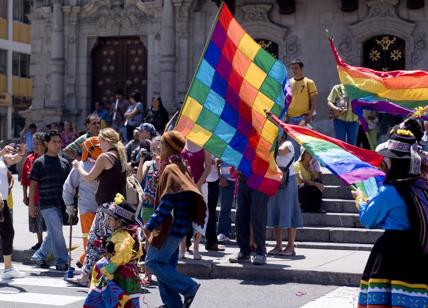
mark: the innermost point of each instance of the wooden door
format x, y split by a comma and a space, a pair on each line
118, 63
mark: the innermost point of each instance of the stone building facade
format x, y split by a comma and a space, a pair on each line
82, 50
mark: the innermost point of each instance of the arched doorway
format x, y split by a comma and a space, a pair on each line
385, 53
270, 46
118, 63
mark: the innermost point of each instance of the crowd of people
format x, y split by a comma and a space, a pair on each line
65, 174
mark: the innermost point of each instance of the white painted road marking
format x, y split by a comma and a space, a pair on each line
343, 297
39, 298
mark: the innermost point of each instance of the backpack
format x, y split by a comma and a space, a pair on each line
134, 192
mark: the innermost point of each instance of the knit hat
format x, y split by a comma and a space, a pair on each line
175, 141
91, 148
120, 209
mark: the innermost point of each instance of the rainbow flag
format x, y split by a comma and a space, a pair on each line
399, 91
224, 110
350, 163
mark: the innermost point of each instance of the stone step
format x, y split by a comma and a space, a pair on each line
331, 179
347, 220
329, 219
334, 235
339, 206
333, 246
337, 192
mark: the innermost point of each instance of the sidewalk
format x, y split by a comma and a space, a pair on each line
317, 266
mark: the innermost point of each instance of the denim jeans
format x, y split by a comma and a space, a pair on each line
163, 263
226, 200
346, 131
252, 209
54, 241
295, 121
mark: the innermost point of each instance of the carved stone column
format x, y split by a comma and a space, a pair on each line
168, 58
57, 57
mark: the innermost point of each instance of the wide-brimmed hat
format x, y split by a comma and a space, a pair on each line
399, 144
174, 140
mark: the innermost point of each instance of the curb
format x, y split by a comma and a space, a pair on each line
268, 272
247, 272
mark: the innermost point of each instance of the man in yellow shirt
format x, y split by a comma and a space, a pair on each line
304, 100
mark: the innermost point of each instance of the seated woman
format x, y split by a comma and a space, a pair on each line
308, 177
115, 279
396, 273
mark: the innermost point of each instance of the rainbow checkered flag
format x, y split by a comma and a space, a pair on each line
235, 82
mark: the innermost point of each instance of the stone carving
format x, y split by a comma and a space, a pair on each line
382, 8
420, 40
257, 12
416, 57
292, 47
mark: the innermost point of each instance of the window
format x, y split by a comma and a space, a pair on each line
3, 62
3, 9
21, 65
21, 8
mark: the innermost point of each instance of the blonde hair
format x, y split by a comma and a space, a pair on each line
113, 137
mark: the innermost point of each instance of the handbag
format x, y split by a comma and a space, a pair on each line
285, 174
342, 103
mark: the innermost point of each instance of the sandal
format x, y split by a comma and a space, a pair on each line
287, 253
275, 251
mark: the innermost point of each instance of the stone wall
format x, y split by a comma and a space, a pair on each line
175, 31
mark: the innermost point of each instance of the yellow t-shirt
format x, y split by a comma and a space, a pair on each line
302, 172
302, 91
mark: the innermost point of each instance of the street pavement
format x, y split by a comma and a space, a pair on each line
230, 285
45, 289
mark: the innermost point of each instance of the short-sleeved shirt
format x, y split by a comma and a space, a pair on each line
302, 91
284, 160
50, 172
305, 173
138, 118
25, 174
338, 92
28, 139
76, 145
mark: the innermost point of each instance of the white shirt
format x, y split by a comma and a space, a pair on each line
284, 160
4, 183
213, 175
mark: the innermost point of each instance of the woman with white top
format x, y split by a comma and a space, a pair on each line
283, 207
9, 155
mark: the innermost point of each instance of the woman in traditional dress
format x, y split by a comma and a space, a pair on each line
396, 274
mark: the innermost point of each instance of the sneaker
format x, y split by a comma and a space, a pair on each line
259, 260
222, 238
61, 267
40, 263
240, 258
82, 280
12, 273
189, 299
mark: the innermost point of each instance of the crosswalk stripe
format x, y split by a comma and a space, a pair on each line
343, 297
40, 298
40, 282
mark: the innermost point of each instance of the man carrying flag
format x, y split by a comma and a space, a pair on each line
224, 112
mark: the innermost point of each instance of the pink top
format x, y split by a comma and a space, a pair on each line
195, 161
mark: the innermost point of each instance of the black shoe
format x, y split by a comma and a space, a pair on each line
188, 300
79, 265
42, 264
37, 246
61, 267
240, 258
